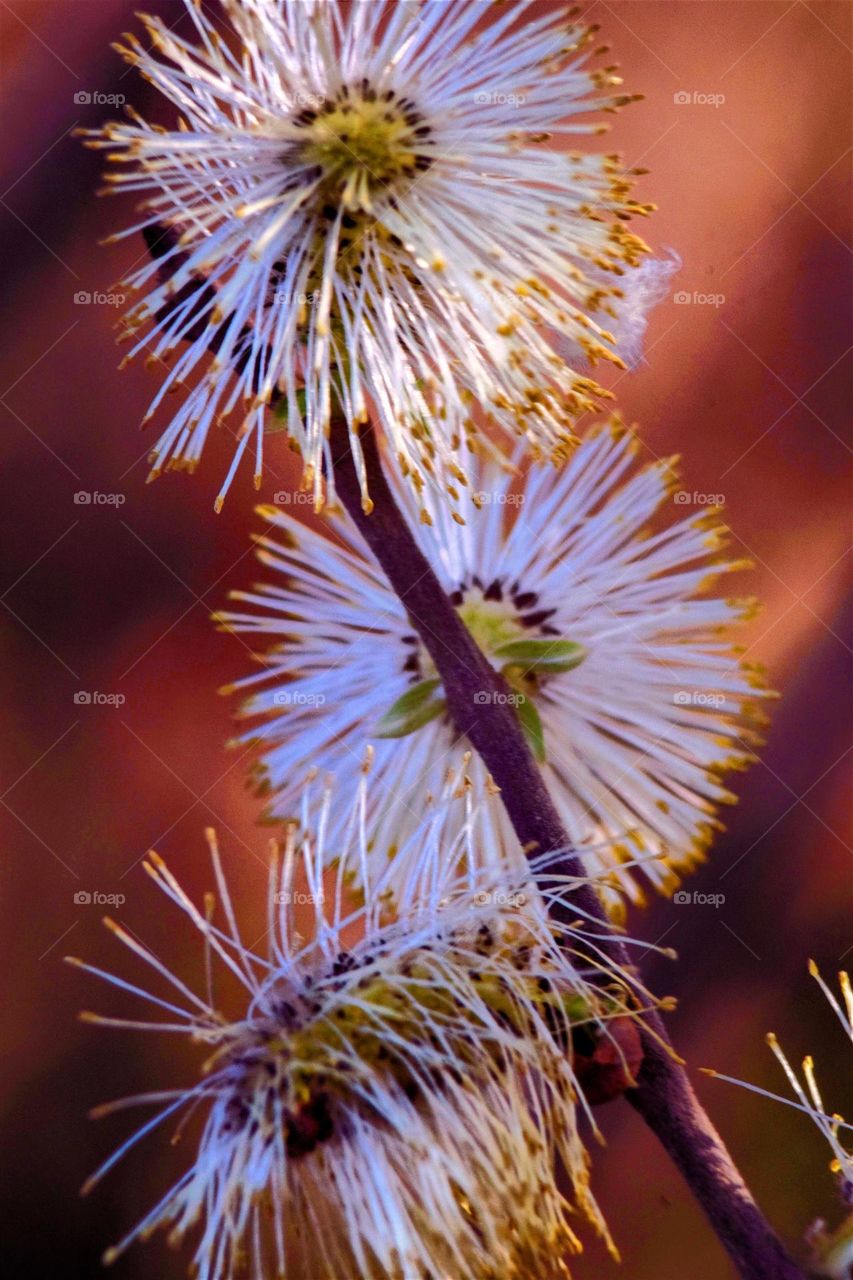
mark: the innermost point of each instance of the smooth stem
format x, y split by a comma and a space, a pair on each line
664, 1096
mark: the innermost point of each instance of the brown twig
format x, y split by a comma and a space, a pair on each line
664, 1096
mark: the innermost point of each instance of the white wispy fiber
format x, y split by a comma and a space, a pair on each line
806, 1091
370, 211
638, 734
384, 1094
832, 1248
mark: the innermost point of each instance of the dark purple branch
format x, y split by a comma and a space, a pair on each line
490, 725
664, 1096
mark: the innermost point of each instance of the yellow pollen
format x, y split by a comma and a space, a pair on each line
363, 144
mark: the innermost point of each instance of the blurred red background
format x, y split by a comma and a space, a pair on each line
746, 128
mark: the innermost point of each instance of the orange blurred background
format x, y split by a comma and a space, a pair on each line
746, 128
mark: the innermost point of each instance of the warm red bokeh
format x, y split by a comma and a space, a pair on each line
754, 196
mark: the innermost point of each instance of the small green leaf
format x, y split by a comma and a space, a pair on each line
414, 696
412, 710
277, 420
531, 724
281, 409
576, 1007
547, 656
